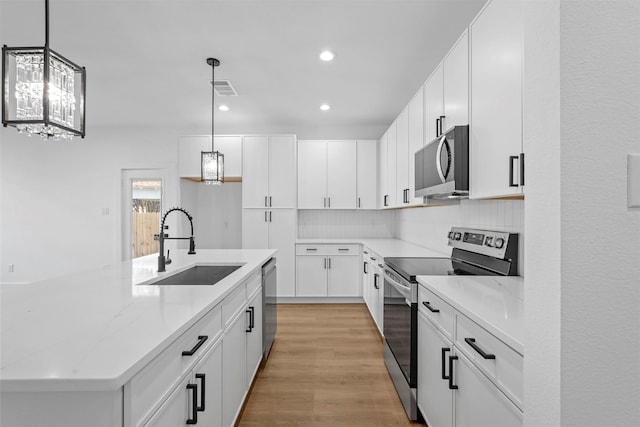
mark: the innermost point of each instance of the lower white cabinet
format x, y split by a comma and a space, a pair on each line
455, 384
328, 271
254, 336
234, 359
372, 286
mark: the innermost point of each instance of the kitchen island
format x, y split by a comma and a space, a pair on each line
76, 349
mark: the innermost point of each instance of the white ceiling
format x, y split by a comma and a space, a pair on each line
146, 64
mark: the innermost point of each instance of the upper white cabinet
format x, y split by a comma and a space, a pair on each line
416, 141
402, 158
456, 84
190, 148
327, 174
495, 144
388, 167
269, 171
434, 104
383, 177
367, 174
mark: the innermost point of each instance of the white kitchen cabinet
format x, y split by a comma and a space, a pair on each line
328, 271
177, 409
254, 336
402, 158
495, 139
383, 176
478, 402
234, 360
327, 174
269, 171
392, 158
367, 174
373, 288
190, 148
434, 104
416, 141
456, 84
435, 399
274, 229
207, 375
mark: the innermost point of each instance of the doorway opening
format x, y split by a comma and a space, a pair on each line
146, 208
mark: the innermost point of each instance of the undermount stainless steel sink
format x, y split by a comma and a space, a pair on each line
200, 275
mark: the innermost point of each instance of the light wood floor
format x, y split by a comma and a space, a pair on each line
325, 369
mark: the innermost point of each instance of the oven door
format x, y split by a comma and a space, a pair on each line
400, 324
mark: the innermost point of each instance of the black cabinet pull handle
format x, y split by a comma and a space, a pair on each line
265, 216
511, 159
194, 404
270, 212
202, 386
201, 340
358, 201
312, 249
343, 249
329, 203
265, 202
375, 281
270, 201
431, 309
437, 127
385, 200
445, 350
452, 386
365, 268
521, 168
249, 310
481, 352
441, 121
253, 317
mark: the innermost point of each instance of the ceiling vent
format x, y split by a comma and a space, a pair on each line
224, 88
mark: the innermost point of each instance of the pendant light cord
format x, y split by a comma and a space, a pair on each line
46, 23
213, 106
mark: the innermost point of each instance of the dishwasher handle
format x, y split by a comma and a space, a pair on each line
268, 266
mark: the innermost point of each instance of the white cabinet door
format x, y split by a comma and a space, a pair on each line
344, 276
378, 290
402, 158
254, 337
433, 104
189, 155
208, 377
282, 236
366, 275
231, 147
255, 169
341, 174
478, 402
282, 171
234, 360
383, 160
496, 100
456, 84
416, 140
311, 276
255, 229
176, 410
392, 189
367, 176
435, 400
312, 174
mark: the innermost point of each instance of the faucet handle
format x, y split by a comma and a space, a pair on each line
168, 260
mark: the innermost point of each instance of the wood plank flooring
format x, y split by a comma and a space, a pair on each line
325, 369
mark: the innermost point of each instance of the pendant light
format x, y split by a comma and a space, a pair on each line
43, 93
212, 167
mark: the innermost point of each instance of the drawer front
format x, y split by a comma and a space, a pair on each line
376, 260
502, 364
253, 283
311, 250
233, 302
440, 313
149, 387
343, 249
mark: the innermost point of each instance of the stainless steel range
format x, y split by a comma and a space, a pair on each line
475, 252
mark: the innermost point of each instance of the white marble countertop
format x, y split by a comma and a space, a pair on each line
383, 247
495, 303
94, 330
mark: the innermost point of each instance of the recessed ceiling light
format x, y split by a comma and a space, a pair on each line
223, 108
327, 55
325, 107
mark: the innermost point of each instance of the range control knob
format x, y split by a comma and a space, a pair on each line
499, 243
457, 236
450, 235
488, 241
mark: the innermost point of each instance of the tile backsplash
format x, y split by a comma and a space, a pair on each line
345, 223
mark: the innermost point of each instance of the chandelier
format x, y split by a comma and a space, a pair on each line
212, 166
43, 93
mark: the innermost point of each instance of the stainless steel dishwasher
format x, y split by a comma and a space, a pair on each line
269, 305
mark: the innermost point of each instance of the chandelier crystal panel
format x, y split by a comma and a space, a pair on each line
43, 93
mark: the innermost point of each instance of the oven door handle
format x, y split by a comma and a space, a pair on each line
404, 290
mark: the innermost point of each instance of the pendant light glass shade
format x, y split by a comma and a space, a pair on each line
212, 162
43, 93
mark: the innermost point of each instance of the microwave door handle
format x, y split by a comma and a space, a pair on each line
438, 164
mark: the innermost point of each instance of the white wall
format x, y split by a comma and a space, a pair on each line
52, 197
345, 223
217, 212
600, 236
429, 226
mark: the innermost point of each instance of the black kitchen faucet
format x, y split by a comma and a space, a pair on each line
162, 260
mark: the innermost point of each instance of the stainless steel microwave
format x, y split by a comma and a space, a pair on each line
442, 166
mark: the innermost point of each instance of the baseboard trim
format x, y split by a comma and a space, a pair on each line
320, 300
